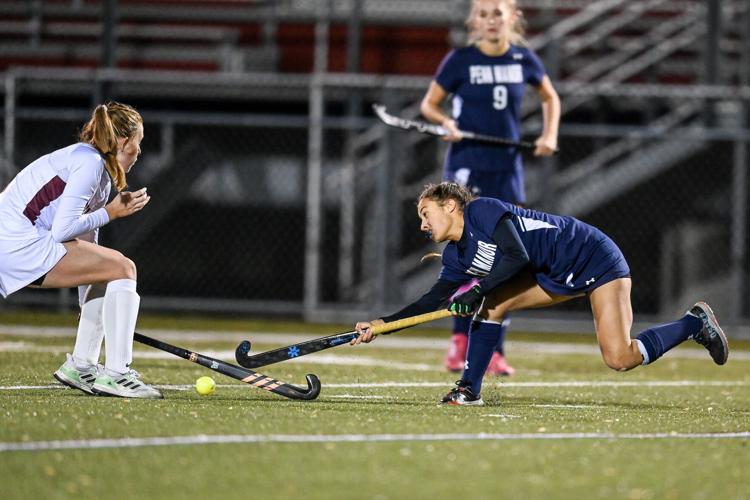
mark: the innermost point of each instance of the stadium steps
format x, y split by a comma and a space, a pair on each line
605, 184
134, 55
566, 182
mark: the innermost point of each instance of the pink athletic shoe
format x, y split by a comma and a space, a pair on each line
456, 355
499, 366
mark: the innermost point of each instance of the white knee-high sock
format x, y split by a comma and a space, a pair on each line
90, 334
119, 315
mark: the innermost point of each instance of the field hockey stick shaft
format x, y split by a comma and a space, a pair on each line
437, 130
400, 324
243, 357
498, 140
247, 376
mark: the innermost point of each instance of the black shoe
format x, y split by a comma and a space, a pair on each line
711, 335
462, 395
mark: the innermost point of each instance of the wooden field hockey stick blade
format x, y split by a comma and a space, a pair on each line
237, 372
437, 130
322, 343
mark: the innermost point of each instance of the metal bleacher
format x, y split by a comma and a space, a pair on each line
149, 36
649, 63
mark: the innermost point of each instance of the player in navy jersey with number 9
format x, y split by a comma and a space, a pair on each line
527, 259
487, 80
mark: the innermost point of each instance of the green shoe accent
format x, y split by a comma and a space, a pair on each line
127, 385
81, 379
103, 382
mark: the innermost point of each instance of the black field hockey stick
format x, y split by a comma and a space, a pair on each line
432, 129
236, 372
243, 357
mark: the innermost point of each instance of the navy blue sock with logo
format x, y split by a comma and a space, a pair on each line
659, 339
483, 338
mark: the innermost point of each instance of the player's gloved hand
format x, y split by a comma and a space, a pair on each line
467, 302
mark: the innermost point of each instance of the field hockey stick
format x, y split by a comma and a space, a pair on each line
247, 376
243, 357
432, 129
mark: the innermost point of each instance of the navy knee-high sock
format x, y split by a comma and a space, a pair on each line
482, 341
461, 324
659, 339
501, 339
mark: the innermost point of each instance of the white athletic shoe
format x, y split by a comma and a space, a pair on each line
77, 378
127, 385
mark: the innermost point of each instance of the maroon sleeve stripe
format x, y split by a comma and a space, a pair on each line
46, 195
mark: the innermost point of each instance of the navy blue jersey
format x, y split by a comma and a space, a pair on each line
487, 94
503, 185
567, 256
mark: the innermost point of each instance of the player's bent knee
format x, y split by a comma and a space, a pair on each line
617, 360
124, 268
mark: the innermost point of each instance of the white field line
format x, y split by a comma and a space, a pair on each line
396, 341
354, 396
355, 355
565, 407
319, 359
516, 385
202, 439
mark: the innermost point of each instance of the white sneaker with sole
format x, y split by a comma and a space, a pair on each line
126, 385
77, 378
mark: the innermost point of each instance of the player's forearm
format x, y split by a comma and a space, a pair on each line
551, 115
433, 113
430, 105
436, 297
70, 221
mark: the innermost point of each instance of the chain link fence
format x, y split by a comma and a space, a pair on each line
280, 193
231, 225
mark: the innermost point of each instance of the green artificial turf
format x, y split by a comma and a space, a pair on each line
594, 420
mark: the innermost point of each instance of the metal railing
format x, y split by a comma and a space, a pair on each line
204, 168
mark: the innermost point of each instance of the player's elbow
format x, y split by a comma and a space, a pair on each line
425, 107
61, 234
522, 259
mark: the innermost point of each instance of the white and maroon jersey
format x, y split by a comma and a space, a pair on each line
62, 193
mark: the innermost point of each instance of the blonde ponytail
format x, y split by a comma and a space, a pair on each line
109, 122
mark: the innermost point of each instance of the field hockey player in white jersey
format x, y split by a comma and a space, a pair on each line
50, 215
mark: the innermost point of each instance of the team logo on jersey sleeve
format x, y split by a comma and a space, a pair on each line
483, 260
528, 224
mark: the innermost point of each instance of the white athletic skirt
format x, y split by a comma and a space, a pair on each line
24, 261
